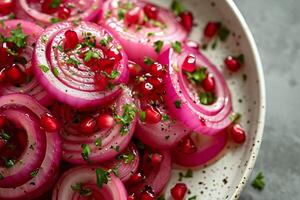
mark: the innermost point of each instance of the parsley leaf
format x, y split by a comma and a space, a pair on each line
177, 104
143, 116
207, 98
192, 197
223, 33
188, 174
73, 61
44, 68
102, 177
259, 181
86, 151
235, 117
177, 7
121, 14
148, 61
176, 46
98, 142
55, 71
89, 55
158, 45
54, 20
55, 3
127, 117
106, 41
9, 163
127, 157
34, 173
18, 37
82, 191
197, 76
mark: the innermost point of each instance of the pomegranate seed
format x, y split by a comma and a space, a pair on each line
101, 81
64, 12
238, 134
88, 125
211, 29
14, 74
187, 146
105, 121
178, 191
156, 159
187, 20
193, 44
232, 64
107, 62
2, 143
5, 57
131, 197
189, 63
156, 82
2, 121
136, 178
6, 7
157, 69
46, 7
2, 76
71, 40
114, 53
209, 83
146, 88
147, 196
151, 11
152, 116
134, 69
49, 123
132, 16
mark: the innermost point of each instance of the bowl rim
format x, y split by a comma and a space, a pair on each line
262, 98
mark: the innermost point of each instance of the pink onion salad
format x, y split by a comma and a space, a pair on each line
196, 150
80, 65
89, 182
100, 135
153, 173
141, 26
30, 166
47, 12
196, 92
16, 49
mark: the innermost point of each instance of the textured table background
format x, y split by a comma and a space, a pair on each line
275, 25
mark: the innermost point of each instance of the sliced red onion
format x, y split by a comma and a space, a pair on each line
32, 87
75, 84
85, 178
49, 152
162, 135
204, 119
112, 140
156, 178
208, 147
144, 38
123, 164
86, 10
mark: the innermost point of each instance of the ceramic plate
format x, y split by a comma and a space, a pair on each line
225, 178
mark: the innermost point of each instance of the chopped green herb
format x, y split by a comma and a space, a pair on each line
223, 33
114, 74
34, 173
207, 98
127, 117
150, 34
1, 176
11, 16
143, 116
240, 58
214, 44
148, 61
86, 151
177, 104
197, 76
54, 20
89, 55
44, 68
55, 71
18, 37
176, 46
116, 148
188, 174
9, 163
98, 142
235, 117
102, 177
158, 45
177, 7
55, 3
161, 197
4, 136
127, 157
78, 187
165, 117
259, 181
73, 61
158, 24
121, 14
204, 47
192, 197
60, 48
106, 41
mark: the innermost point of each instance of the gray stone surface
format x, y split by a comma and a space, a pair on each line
275, 25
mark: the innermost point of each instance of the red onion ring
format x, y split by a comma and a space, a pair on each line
123, 169
46, 175
113, 190
133, 40
204, 119
208, 147
72, 141
162, 135
72, 85
86, 10
32, 88
157, 178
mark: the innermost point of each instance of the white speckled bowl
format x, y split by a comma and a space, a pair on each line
225, 178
